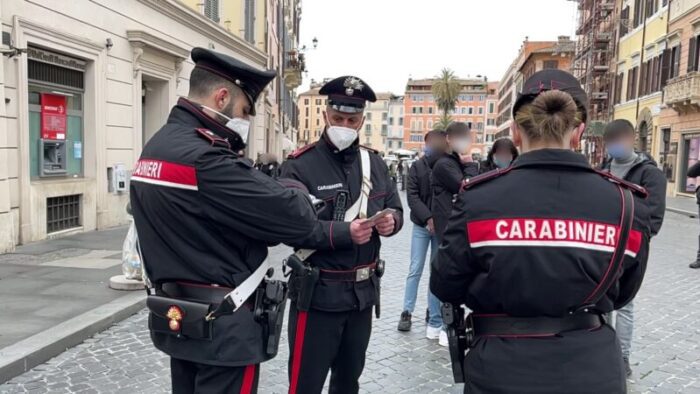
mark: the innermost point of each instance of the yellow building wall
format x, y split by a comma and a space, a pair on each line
232, 18
656, 29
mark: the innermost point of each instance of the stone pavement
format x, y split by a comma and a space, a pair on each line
666, 349
682, 204
46, 283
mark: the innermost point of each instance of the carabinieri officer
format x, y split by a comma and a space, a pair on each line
205, 218
332, 330
539, 251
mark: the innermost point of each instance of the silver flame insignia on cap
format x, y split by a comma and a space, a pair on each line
351, 84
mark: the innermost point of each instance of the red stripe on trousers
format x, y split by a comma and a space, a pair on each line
298, 346
248, 379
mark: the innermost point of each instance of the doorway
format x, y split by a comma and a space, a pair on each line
154, 106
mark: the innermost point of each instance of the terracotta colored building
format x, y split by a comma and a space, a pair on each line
421, 113
532, 57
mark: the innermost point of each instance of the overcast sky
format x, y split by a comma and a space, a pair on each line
386, 41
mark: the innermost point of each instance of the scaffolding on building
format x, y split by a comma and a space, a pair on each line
594, 67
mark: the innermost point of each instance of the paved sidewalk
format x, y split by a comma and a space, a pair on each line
46, 283
683, 205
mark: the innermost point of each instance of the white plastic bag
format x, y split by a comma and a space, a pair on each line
131, 259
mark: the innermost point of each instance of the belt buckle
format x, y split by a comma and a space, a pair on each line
362, 274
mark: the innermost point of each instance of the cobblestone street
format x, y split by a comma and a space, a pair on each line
665, 355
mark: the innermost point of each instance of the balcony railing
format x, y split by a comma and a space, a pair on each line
683, 93
295, 65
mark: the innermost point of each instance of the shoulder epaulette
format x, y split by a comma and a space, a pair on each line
639, 190
301, 151
376, 152
213, 139
485, 177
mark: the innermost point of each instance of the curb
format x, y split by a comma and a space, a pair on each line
26, 354
682, 212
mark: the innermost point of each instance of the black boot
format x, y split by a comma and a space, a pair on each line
695, 264
405, 321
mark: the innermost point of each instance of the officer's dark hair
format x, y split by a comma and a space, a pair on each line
502, 144
434, 133
203, 82
457, 128
618, 128
549, 117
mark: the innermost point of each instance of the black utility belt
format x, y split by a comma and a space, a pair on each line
358, 274
508, 326
188, 310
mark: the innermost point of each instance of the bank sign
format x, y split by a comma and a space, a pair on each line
53, 117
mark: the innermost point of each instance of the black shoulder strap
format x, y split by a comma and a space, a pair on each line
615, 266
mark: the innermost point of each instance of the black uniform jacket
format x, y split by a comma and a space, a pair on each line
325, 171
536, 241
205, 216
646, 173
419, 193
448, 174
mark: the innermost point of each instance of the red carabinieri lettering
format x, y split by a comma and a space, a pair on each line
550, 233
164, 173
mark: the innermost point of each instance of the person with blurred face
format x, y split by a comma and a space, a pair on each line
453, 166
641, 169
419, 194
501, 155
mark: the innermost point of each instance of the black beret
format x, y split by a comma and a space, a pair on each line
348, 94
251, 80
552, 79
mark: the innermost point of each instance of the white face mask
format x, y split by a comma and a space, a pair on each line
342, 137
461, 145
237, 125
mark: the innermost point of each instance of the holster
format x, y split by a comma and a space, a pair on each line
459, 336
303, 282
270, 303
377, 278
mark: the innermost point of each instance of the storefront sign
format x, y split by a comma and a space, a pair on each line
53, 116
43, 56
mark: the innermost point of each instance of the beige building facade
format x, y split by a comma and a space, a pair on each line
82, 100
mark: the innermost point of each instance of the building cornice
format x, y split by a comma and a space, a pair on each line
199, 23
143, 38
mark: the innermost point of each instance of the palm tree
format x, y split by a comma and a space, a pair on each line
445, 120
446, 91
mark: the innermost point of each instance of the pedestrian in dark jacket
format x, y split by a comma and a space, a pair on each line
455, 165
638, 168
694, 172
419, 195
502, 153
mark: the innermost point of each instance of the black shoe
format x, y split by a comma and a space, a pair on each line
405, 321
628, 369
695, 265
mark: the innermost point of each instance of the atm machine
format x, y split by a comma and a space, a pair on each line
52, 157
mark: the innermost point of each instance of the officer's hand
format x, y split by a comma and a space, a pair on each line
431, 226
360, 231
385, 225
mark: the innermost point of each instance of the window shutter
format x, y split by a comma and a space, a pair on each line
665, 66
691, 54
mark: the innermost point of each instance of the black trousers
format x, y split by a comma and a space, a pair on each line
190, 378
321, 341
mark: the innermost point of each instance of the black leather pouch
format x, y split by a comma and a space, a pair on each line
193, 323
